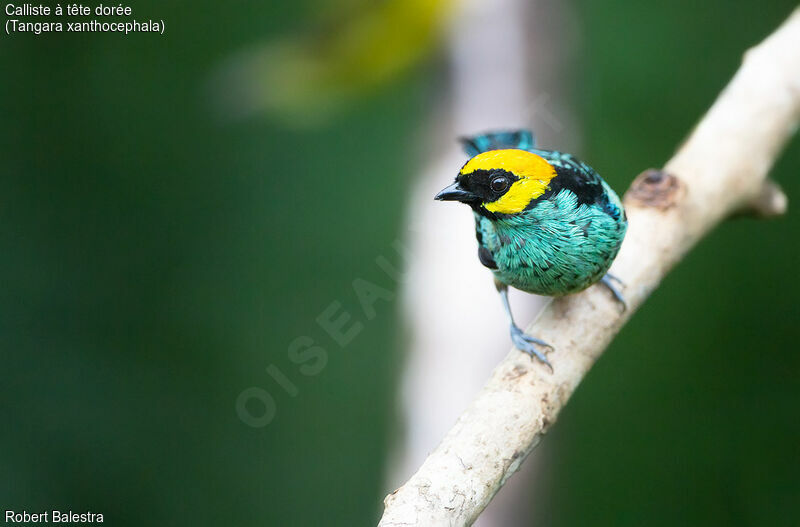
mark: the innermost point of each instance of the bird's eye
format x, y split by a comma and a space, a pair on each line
499, 184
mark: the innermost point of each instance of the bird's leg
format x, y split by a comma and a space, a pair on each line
522, 341
607, 281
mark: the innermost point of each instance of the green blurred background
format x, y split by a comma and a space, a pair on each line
157, 258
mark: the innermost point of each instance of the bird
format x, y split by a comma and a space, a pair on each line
545, 221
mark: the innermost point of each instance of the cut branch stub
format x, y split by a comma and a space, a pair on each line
655, 188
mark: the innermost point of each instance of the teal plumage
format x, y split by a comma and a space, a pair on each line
559, 246
546, 222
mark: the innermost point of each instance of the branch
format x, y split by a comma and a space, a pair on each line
721, 170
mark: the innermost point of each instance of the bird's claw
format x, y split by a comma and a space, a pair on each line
517, 332
607, 281
527, 344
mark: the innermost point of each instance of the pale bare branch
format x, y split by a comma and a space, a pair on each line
719, 171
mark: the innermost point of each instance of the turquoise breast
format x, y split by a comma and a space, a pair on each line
558, 246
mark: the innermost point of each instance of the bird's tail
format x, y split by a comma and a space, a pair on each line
522, 139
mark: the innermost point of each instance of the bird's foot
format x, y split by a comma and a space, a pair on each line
527, 344
608, 281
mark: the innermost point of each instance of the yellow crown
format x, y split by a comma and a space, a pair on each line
533, 171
